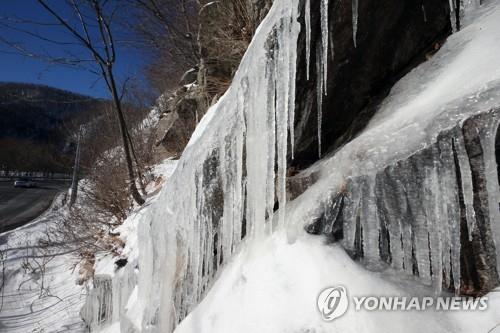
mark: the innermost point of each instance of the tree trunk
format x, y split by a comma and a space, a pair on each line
123, 131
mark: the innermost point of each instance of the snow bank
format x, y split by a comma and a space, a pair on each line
272, 286
39, 291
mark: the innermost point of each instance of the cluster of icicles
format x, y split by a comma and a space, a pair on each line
322, 51
233, 171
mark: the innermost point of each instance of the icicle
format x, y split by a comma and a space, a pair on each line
282, 110
453, 19
332, 48
291, 89
369, 218
319, 93
355, 21
466, 185
308, 36
324, 40
272, 73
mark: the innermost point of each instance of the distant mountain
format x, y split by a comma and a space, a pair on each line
37, 122
34, 112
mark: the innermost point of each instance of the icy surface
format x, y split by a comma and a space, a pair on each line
221, 180
461, 80
465, 72
233, 171
112, 300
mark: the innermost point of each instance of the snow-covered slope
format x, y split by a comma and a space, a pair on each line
39, 291
225, 185
272, 286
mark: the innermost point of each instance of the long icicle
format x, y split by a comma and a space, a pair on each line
319, 92
308, 35
355, 16
324, 39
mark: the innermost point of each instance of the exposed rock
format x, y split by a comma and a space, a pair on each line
393, 37
181, 113
119, 263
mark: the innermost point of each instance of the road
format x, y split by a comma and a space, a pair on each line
19, 206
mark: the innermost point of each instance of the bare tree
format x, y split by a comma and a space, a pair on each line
93, 33
168, 31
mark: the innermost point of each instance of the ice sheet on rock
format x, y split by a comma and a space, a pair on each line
223, 188
461, 80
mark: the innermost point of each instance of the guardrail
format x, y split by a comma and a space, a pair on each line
12, 175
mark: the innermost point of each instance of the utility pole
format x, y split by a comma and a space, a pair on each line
76, 169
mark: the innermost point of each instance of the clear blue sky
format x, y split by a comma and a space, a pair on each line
17, 68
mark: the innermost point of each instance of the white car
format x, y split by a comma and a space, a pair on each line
24, 182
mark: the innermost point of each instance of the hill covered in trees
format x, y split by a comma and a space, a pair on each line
37, 124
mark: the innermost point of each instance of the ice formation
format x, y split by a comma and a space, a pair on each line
223, 189
325, 22
423, 158
307, 17
355, 5
224, 186
319, 94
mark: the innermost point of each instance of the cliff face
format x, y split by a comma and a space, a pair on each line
371, 45
433, 214
414, 188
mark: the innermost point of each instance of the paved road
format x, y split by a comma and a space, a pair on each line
20, 205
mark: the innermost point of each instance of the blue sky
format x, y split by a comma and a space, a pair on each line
17, 68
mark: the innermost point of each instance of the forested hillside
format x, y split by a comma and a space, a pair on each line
36, 125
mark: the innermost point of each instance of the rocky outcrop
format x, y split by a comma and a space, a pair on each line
392, 37
433, 215
180, 114
225, 30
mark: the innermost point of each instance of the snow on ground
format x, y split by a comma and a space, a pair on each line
272, 286
39, 292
